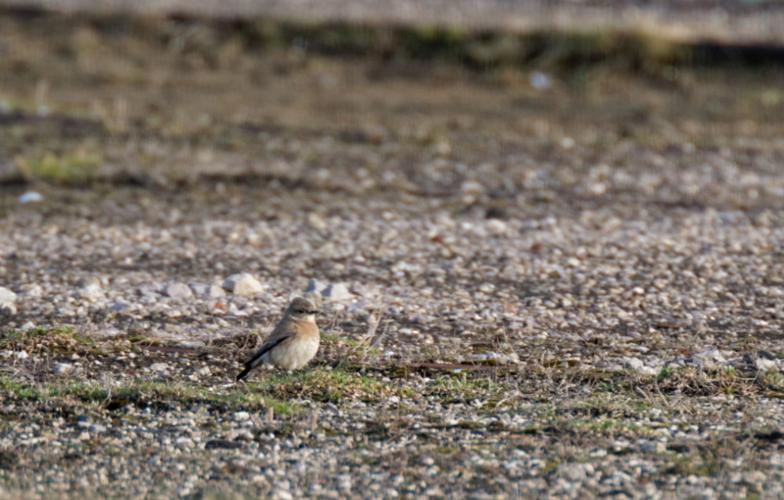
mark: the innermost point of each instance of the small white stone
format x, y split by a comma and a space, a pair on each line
215, 292
344, 482
179, 291
7, 301
567, 143
33, 290
243, 284
62, 368
765, 364
472, 188
497, 226
710, 358
184, 442
281, 494
539, 80
241, 416
317, 222
496, 357
336, 292
91, 291
159, 367
30, 197
635, 364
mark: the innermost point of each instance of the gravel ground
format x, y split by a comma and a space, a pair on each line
534, 282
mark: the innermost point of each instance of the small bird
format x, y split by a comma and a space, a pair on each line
293, 342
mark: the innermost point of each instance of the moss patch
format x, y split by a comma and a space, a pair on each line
141, 393
55, 340
322, 384
69, 169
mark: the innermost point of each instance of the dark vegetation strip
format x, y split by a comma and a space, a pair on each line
476, 49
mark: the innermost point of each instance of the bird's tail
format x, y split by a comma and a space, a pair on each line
244, 373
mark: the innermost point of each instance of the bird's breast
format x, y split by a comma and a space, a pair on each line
298, 351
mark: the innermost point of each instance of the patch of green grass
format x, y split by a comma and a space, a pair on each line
150, 392
321, 384
550, 466
349, 349
18, 389
689, 380
465, 387
774, 381
605, 404
705, 382
142, 392
70, 169
663, 374
82, 391
693, 465
56, 340
609, 426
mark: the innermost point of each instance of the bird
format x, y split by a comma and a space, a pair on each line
293, 342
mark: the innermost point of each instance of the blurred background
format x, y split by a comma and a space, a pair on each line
172, 91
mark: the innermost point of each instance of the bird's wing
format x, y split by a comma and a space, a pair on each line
280, 334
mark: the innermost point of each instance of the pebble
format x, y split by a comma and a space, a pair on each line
344, 483
159, 367
179, 291
639, 366
120, 307
336, 292
184, 442
30, 197
497, 357
222, 444
497, 226
243, 284
215, 292
314, 287
212, 291
710, 359
241, 416
647, 446
7, 301
539, 80
92, 291
62, 368
765, 361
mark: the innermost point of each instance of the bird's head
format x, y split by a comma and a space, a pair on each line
301, 309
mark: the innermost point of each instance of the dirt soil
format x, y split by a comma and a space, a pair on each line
557, 282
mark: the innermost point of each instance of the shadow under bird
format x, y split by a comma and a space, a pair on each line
293, 342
